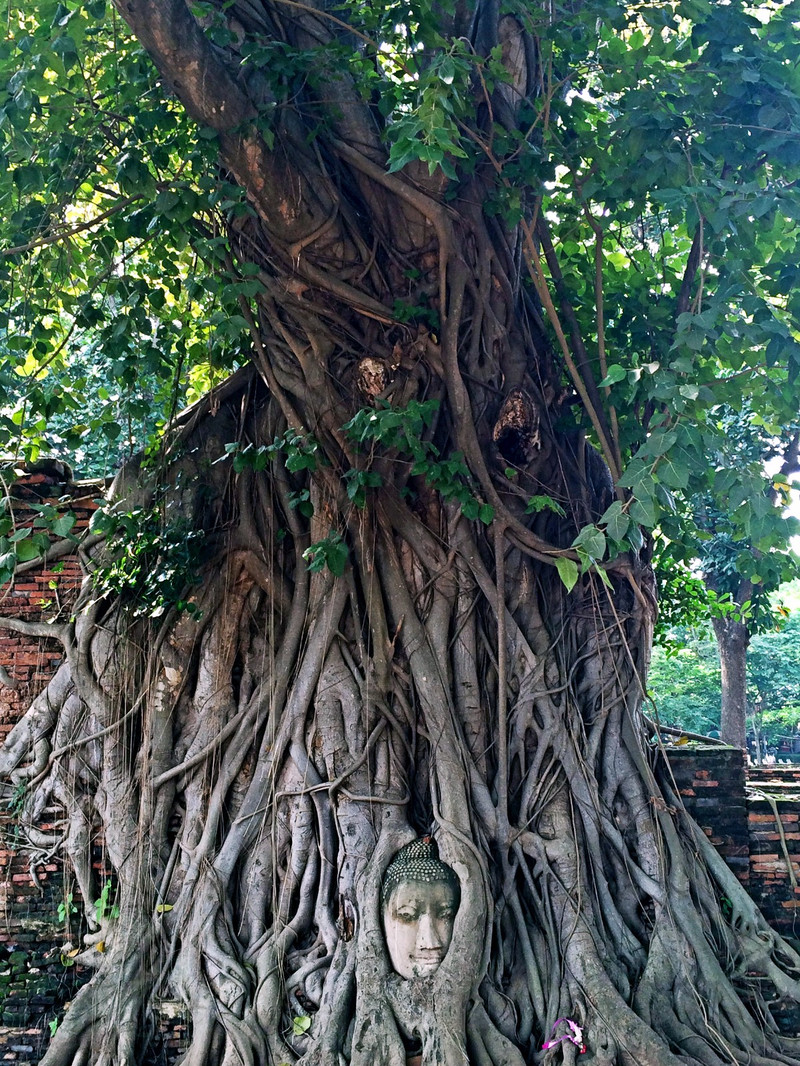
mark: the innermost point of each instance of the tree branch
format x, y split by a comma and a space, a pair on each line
690, 273
35, 629
587, 391
289, 201
579, 348
72, 231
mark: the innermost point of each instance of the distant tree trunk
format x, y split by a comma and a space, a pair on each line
732, 639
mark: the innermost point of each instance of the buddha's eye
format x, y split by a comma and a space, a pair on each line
446, 913
408, 917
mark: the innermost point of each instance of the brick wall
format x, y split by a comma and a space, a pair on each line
711, 781
752, 815
773, 812
773, 808
34, 982
40, 914
43, 593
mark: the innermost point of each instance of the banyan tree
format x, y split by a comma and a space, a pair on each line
499, 268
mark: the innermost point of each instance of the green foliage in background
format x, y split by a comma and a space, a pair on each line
685, 686
116, 305
773, 667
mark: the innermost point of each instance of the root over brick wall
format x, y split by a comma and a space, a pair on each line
752, 815
36, 916
752, 818
39, 901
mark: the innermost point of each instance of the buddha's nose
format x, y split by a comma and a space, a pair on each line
427, 932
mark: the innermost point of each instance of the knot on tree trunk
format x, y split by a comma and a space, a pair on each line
373, 377
517, 430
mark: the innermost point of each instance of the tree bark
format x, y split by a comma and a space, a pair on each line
733, 639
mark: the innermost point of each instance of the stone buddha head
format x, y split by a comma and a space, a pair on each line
420, 898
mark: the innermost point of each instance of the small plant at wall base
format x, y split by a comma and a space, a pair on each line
66, 908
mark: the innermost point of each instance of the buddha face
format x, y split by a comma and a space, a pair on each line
418, 922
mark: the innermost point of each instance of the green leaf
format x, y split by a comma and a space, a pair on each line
616, 522
447, 70
8, 563
615, 374
111, 430
27, 550
591, 541
331, 552
470, 508
674, 471
644, 511
567, 571
63, 524
659, 442
544, 503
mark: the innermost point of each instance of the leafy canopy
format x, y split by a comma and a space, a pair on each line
114, 308
654, 172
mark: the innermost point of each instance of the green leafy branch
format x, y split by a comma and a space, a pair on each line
403, 430
428, 130
66, 907
331, 552
153, 562
300, 451
614, 533
103, 905
357, 482
23, 544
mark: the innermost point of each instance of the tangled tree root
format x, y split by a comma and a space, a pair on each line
254, 762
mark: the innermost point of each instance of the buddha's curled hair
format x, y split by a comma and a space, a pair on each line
418, 861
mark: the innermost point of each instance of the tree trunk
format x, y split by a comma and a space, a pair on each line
732, 641
368, 639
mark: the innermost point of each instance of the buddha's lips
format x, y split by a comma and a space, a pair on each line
427, 959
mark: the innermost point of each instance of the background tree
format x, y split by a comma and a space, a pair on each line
495, 275
685, 682
742, 576
773, 666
